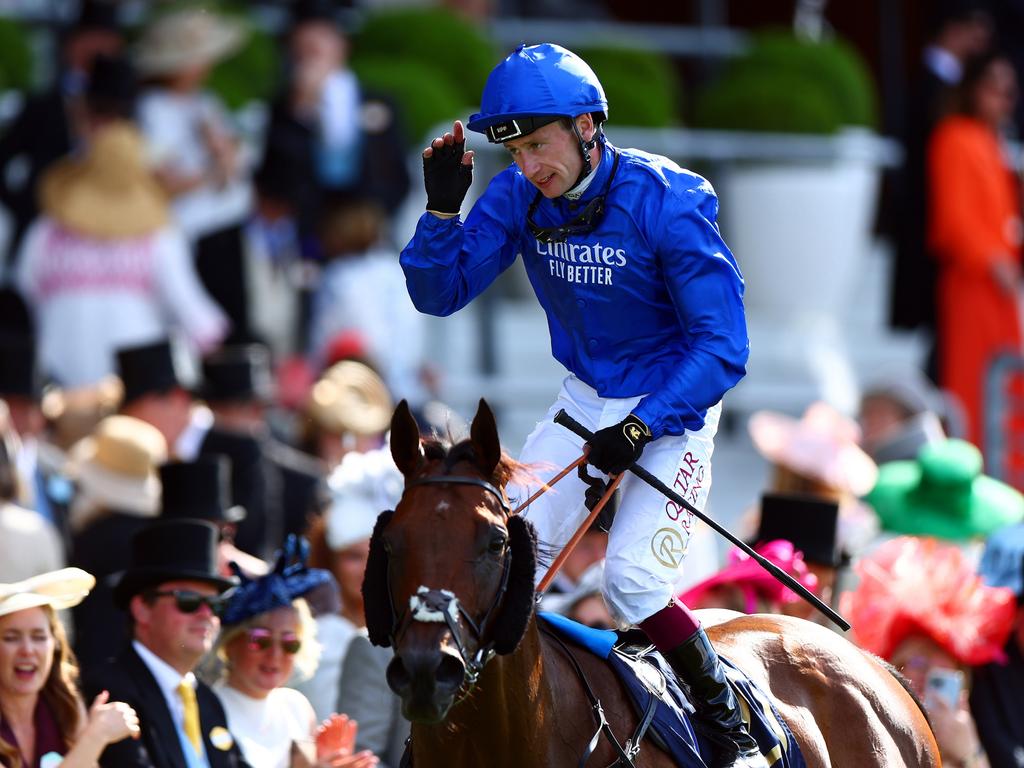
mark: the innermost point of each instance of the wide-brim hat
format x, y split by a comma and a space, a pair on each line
822, 444
116, 465
351, 399
944, 494
920, 586
171, 550
186, 38
752, 579
108, 193
361, 487
64, 588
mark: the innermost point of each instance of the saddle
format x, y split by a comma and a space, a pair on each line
663, 705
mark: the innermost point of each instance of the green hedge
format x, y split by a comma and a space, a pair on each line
788, 85
16, 62
252, 73
436, 40
642, 86
424, 94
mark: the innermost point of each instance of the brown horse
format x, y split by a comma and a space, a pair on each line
449, 586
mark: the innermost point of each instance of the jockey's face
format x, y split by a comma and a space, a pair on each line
550, 156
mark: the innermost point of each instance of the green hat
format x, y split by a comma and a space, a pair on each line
944, 494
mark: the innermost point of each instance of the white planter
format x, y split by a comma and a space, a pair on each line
801, 232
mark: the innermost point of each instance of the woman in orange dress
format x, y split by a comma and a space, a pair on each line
974, 232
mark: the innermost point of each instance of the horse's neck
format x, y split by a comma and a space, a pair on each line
506, 720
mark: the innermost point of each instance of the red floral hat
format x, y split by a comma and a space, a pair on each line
919, 586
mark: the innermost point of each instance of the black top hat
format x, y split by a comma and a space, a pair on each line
113, 87
147, 369
237, 373
809, 522
18, 366
314, 10
169, 550
97, 15
198, 490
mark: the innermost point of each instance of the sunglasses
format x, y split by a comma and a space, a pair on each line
260, 639
187, 601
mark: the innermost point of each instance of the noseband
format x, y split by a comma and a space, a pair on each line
444, 607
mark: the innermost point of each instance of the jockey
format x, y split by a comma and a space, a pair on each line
644, 305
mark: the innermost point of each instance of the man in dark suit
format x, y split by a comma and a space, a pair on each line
277, 485
172, 593
48, 126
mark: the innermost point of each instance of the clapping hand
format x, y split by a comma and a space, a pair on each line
112, 721
336, 743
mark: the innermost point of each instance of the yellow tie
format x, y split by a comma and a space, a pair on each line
192, 730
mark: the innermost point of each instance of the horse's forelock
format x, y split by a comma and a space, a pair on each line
451, 455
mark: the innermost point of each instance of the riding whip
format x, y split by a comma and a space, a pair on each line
567, 421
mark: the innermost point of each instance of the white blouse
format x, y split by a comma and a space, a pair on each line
266, 728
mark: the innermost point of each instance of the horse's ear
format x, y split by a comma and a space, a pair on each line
484, 436
405, 440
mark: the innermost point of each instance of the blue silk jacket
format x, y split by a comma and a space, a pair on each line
648, 303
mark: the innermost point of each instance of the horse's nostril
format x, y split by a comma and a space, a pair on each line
451, 671
398, 676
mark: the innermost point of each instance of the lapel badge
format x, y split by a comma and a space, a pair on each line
221, 738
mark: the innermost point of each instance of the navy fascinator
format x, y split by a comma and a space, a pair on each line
289, 580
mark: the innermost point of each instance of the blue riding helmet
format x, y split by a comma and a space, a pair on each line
534, 86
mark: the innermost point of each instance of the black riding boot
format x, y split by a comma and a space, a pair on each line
696, 662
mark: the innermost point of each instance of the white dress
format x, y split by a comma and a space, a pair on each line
266, 728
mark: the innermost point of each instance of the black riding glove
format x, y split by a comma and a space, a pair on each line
446, 178
614, 449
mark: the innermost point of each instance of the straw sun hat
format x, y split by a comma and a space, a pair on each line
351, 399
116, 465
108, 193
61, 589
186, 38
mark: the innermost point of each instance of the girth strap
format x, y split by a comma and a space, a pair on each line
632, 748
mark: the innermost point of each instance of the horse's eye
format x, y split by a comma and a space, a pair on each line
497, 543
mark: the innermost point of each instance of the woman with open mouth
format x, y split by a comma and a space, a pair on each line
43, 720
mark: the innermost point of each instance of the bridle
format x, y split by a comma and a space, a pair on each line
443, 606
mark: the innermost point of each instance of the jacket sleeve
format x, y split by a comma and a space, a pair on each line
448, 263
707, 289
364, 696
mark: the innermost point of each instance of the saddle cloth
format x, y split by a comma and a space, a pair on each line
645, 673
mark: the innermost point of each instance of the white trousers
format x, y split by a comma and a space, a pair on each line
650, 534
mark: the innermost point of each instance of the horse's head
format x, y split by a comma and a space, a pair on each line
450, 575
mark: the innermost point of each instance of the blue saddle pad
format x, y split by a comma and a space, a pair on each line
646, 673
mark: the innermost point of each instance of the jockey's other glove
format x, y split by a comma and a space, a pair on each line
614, 449
446, 178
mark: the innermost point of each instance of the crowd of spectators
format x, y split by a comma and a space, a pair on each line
223, 332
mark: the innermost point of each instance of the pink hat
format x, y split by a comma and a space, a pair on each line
822, 444
744, 573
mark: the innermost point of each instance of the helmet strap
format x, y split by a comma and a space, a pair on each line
585, 147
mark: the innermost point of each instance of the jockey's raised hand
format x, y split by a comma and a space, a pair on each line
447, 172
